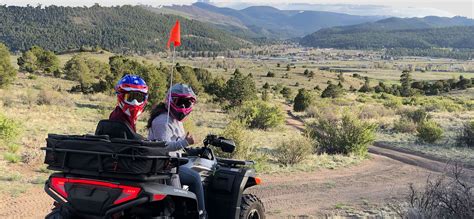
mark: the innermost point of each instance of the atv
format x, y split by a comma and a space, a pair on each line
116, 174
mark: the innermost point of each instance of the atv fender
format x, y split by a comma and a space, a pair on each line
224, 193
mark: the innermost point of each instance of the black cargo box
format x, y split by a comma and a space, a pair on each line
100, 156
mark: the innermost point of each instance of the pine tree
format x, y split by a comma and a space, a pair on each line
406, 80
239, 89
302, 100
332, 91
7, 72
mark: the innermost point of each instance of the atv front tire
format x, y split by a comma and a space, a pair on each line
251, 207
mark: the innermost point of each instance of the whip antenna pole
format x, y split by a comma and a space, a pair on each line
171, 84
175, 38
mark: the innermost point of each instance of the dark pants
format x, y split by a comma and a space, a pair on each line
192, 179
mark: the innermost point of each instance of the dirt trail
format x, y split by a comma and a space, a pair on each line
382, 179
370, 185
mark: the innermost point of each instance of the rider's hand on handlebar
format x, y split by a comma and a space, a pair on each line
190, 139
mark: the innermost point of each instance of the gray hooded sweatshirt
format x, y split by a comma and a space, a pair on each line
170, 130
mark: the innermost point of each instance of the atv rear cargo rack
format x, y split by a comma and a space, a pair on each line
112, 158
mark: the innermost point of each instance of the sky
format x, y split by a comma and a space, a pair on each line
397, 7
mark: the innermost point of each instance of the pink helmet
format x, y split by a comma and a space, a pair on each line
182, 99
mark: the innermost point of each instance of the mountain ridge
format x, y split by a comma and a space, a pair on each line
428, 32
118, 29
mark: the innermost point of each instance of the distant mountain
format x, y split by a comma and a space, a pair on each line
119, 29
428, 32
266, 21
353, 9
395, 23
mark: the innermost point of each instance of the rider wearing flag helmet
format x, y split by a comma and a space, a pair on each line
132, 96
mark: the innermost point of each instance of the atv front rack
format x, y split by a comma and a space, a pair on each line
234, 163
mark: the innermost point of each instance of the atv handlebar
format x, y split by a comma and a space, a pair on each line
226, 145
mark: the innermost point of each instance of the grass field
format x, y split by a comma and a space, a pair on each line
43, 105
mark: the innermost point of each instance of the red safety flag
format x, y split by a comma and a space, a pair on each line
175, 36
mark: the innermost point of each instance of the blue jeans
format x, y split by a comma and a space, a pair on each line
192, 179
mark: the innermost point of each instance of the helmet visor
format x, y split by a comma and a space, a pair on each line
181, 102
135, 95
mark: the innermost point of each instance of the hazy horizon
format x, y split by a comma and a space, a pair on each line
399, 8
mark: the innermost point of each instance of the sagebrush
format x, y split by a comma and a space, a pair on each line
348, 135
429, 132
293, 150
442, 197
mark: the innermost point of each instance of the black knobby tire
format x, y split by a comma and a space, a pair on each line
55, 214
251, 207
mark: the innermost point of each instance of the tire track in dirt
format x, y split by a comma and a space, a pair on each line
377, 181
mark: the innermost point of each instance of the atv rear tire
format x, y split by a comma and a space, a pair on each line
251, 207
55, 214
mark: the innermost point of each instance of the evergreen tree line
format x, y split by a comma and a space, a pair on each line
95, 76
462, 54
124, 29
407, 87
420, 41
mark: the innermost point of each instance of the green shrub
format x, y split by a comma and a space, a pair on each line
9, 130
286, 92
436, 103
302, 100
11, 157
13, 148
293, 151
38, 59
332, 91
392, 101
417, 116
236, 131
32, 77
12, 176
266, 86
347, 135
259, 114
47, 97
466, 136
429, 131
404, 125
39, 180
7, 71
52, 97
270, 74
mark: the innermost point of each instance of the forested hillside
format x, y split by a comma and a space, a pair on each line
375, 38
119, 29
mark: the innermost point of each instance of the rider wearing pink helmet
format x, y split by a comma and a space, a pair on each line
180, 100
